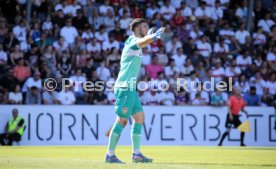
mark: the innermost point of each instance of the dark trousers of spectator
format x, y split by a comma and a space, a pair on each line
11, 138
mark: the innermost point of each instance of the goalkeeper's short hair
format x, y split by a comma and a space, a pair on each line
136, 22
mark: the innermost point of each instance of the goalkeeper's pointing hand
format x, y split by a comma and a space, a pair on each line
158, 33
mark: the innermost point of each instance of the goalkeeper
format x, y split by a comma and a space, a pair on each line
127, 101
235, 105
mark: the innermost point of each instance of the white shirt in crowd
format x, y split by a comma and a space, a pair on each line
104, 8
226, 33
200, 12
167, 12
69, 34
232, 73
146, 59
16, 97
103, 73
271, 87
187, 11
186, 69
108, 45
195, 35
259, 39
241, 36
149, 99
179, 60
260, 85
217, 13
78, 82
47, 25
217, 73
169, 46
150, 12
243, 62
87, 35
66, 98
205, 48
176, 3
271, 57
20, 33
30, 82
221, 49
3, 56
111, 97
60, 47
93, 48
167, 98
204, 95
125, 23
266, 24
101, 37
71, 9
169, 71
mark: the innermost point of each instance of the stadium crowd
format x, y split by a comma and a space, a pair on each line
82, 40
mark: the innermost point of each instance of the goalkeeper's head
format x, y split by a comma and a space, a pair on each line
139, 27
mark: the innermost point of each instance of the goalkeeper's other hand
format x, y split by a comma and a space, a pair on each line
151, 31
158, 33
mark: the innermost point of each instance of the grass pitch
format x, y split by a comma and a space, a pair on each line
164, 157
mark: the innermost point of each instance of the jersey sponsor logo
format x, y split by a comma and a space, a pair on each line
125, 109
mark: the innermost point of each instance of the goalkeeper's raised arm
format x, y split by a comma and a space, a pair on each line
144, 35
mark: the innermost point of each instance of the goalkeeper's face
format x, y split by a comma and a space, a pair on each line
143, 29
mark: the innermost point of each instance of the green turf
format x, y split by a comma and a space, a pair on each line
164, 157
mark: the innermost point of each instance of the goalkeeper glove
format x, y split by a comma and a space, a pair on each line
157, 34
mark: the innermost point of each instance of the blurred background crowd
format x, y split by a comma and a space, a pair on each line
83, 39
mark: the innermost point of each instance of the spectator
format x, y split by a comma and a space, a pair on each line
150, 98
125, 20
109, 20
217, 99
167, 98
152, 10
241, 34
182, 97
187, 68
33, 96
266, 23
271, 84
33, 81
69, 33
64, 64
99, 98
60, 45
167, 10
186, 10
15, 96
199, 100
66, 97
199, 96
105, 7
78, 81
267, 99
49, 96
3, 58
218, 71
251, 98
109, 44
103, 72
13, 130
179, 58
80, 22
153, 68
171, 68
172, 46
